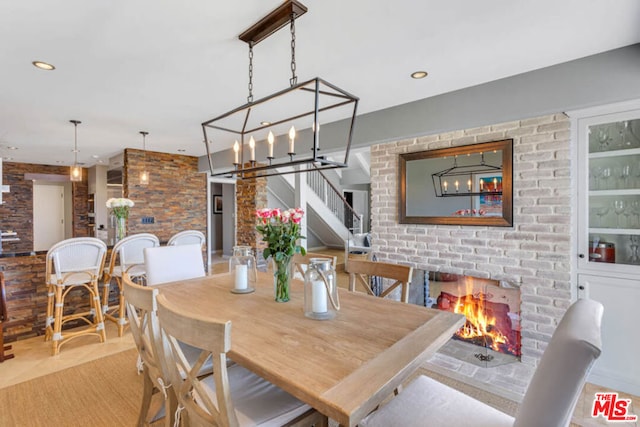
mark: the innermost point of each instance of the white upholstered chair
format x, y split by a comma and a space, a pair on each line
361, 271
171, 263
232, 396
187, 237
126, 256
550, 398
72, 263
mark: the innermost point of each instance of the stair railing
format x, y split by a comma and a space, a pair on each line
334, 200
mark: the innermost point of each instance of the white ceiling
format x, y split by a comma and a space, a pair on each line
167, 66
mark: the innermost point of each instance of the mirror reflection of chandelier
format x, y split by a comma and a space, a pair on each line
468, 179
280, 133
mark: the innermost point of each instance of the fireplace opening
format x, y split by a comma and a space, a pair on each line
491, 334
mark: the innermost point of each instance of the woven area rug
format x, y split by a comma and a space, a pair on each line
107, 392
103, 392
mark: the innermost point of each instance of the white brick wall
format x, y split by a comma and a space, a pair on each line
534, 253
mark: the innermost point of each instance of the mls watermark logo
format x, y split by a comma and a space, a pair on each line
612, 408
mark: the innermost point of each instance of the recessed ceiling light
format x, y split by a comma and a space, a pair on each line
265, 123
8, 159
419, 74
95, 156
43, 65
181, 150
12, 148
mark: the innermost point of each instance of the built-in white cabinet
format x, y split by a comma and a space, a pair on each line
607, 141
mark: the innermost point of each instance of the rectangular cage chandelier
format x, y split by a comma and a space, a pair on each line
275, 134
473, 179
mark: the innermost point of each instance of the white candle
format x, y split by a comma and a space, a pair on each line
446, 184
456, 183
469, 185
252, 148
481, 185
241, 276
292, 136
270, 138
236, 148
318, 297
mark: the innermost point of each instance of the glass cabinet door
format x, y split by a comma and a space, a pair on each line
613, 196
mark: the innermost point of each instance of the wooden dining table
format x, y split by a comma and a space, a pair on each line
343, 367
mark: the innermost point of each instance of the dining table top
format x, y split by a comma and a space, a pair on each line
343, 367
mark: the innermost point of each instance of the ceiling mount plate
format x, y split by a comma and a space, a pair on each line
271, 23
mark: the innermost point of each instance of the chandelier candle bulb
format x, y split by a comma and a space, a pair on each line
319, 297
292, 136
252, 148
456, 184
236, 148
270, 139
469, 185
495, 184
241, 276
481, 185
445, 185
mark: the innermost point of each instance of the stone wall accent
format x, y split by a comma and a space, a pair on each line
251, 194
534, 253
176, 196
17, 212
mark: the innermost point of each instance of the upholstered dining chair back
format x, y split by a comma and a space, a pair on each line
171, 263
300, 262
550, 398
187, 237
361, 271
556, 385
232, 396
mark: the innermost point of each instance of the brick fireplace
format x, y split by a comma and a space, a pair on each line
534, 254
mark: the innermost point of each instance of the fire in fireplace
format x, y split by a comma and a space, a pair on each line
492, 310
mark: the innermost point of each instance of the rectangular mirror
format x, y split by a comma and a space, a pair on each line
465, 185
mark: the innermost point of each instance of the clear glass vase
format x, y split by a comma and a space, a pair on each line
121, 228
282, 279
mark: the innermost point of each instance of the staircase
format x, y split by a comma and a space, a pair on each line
326, 208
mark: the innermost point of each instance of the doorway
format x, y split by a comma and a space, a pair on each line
48, 215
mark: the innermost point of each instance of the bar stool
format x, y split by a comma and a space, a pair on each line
127, 256
73, 263
187, 237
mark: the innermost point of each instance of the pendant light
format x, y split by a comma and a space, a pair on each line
75, 173
280, 133
144, 175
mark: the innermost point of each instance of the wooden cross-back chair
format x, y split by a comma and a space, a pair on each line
232, 396
300, 262
361, 271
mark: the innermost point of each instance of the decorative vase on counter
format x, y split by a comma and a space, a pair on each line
282, 278
121, 228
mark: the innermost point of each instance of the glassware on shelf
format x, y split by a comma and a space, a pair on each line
603, 139
605, 175
619, 206
600, 212
624, 173
635, 242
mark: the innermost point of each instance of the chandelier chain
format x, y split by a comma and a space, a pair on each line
294, 79
250, 97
